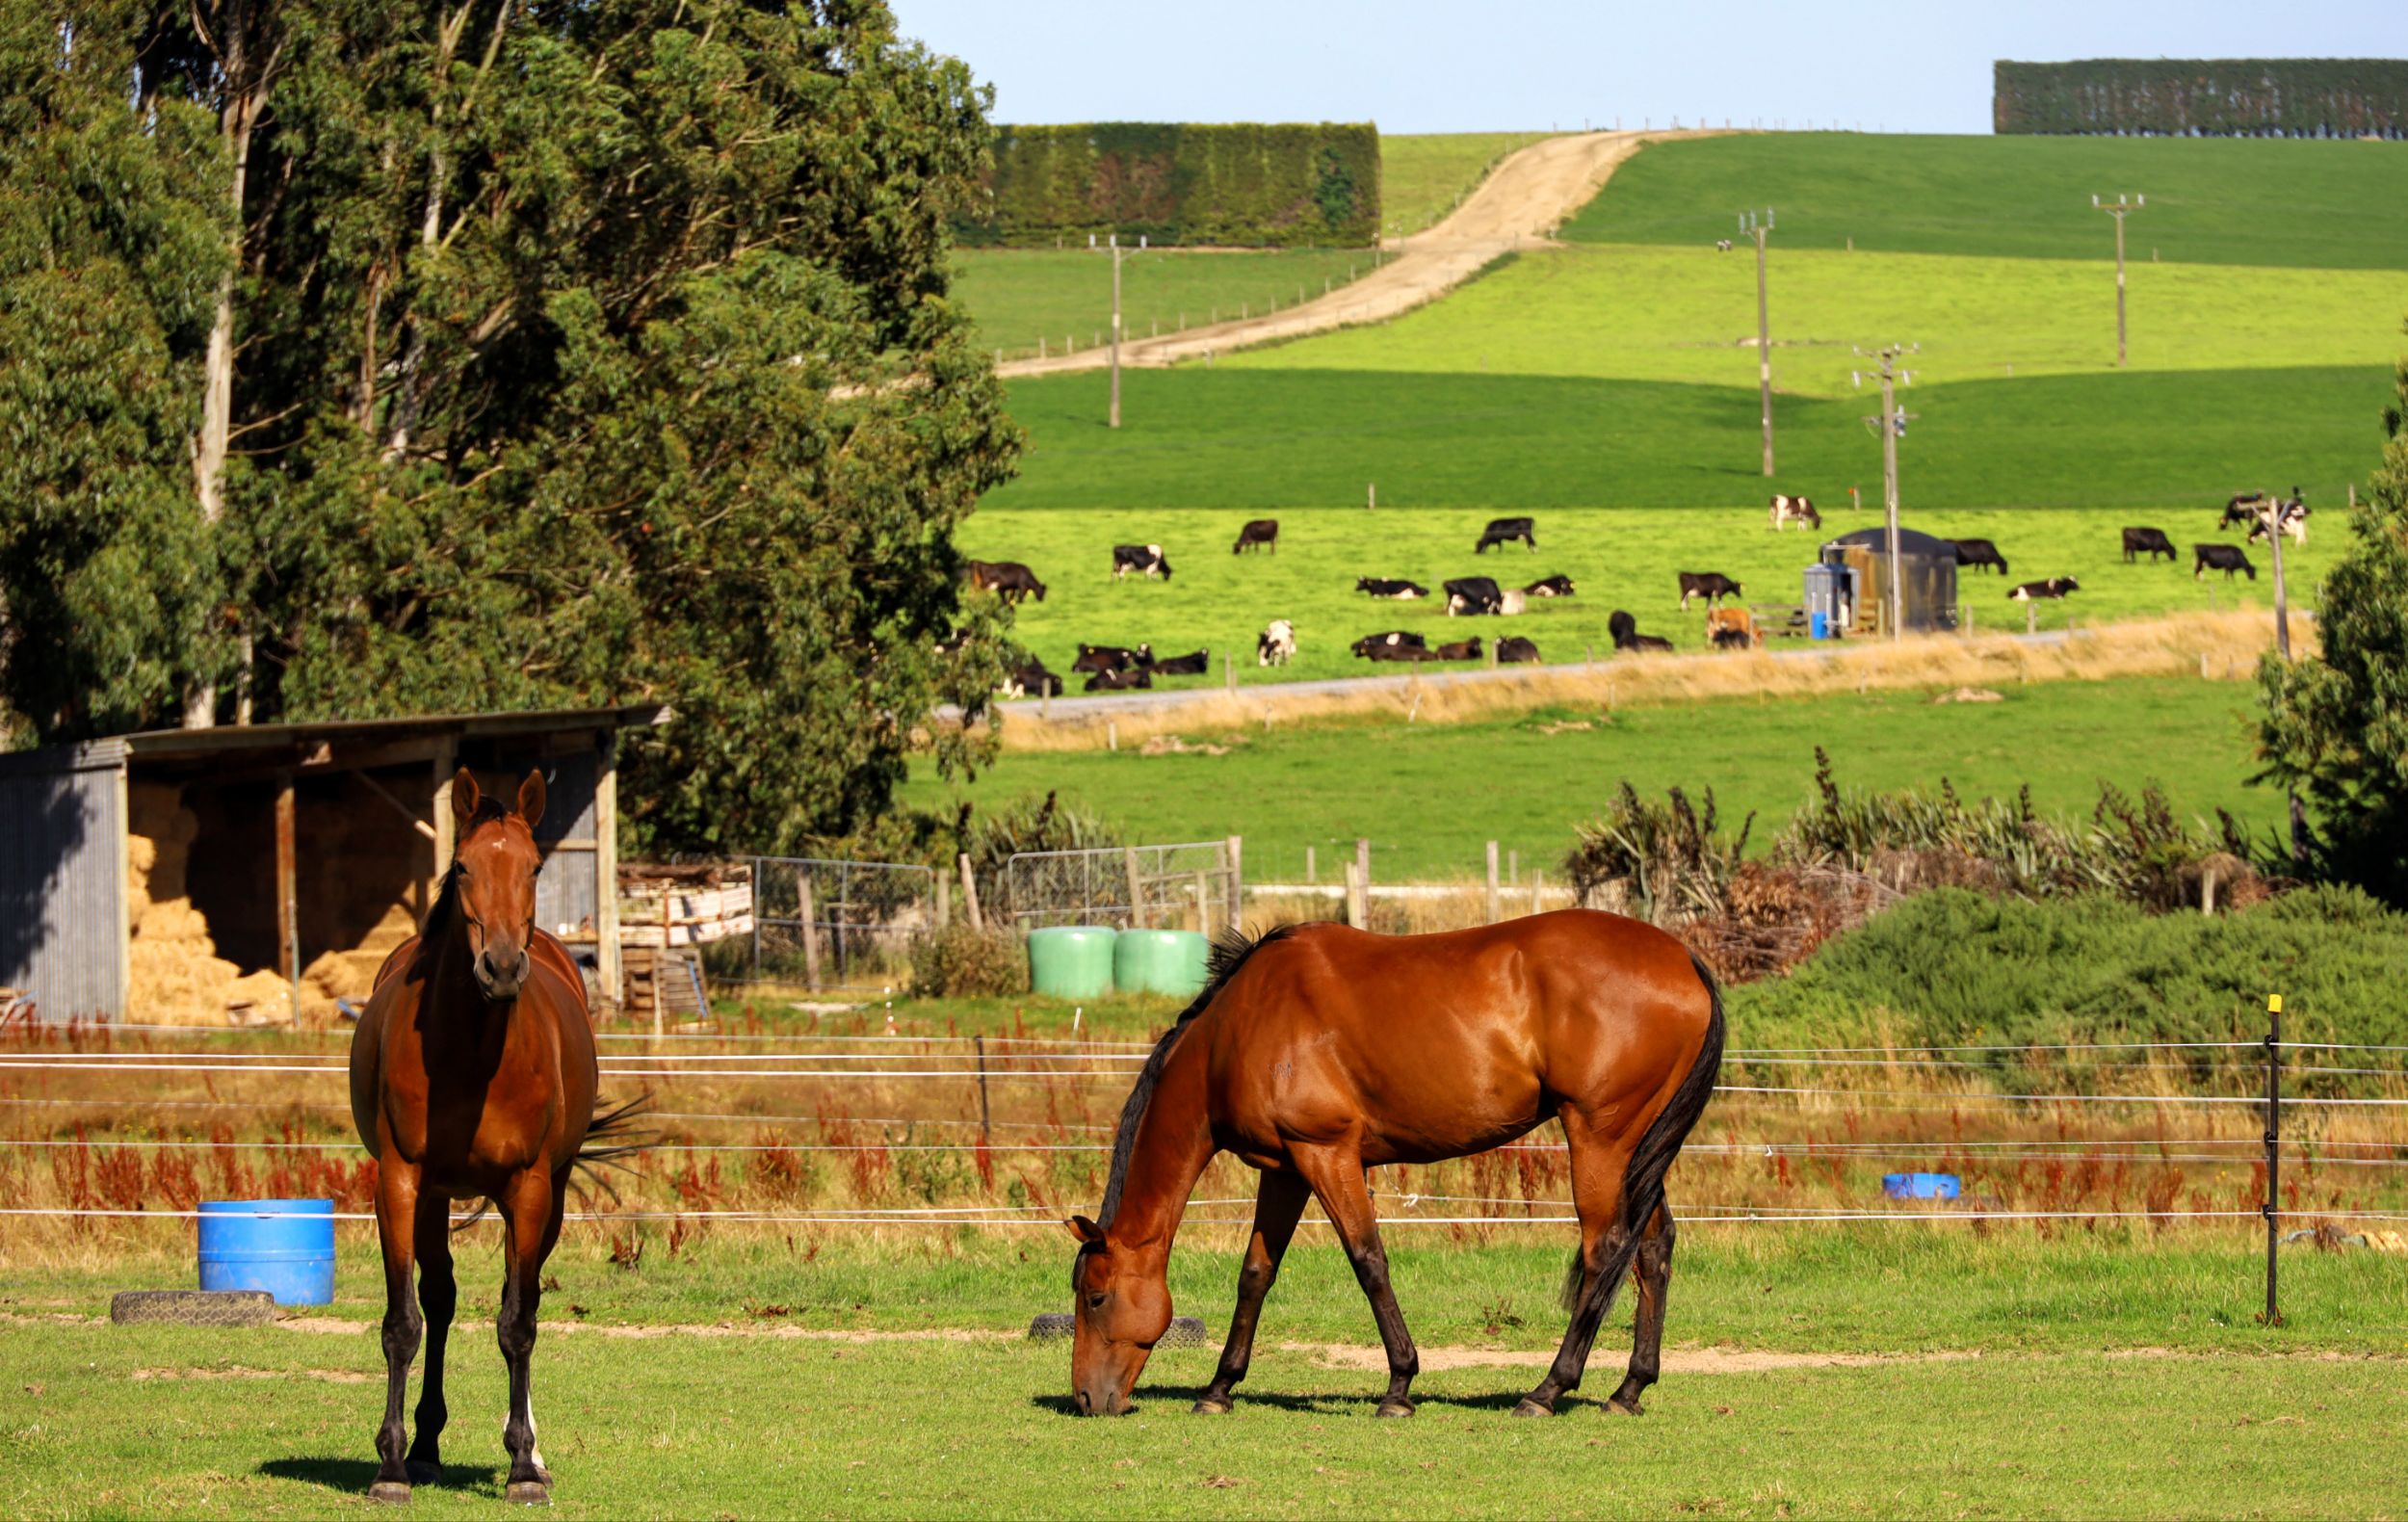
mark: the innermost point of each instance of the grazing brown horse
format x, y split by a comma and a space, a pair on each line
1318, 1053
473, 1076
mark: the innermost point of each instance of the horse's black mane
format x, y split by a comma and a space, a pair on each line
1229, 954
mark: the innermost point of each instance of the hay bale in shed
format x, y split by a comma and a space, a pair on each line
177, 976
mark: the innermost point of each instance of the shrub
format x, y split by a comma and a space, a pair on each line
959, 962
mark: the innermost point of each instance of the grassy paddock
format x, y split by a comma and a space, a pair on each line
1065, 295
1424, 176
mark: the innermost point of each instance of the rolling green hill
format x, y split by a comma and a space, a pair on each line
1423, 175
1018, 296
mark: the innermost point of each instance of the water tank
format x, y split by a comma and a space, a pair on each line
1160, 962
1071, 961
1827, 589
284, 1247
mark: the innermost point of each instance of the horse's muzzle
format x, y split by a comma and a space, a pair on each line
501, 980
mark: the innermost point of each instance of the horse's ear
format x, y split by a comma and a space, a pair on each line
530, 798
465, 796
1082, 1230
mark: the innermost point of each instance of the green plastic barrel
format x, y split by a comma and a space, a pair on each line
1071, 961
1160, 962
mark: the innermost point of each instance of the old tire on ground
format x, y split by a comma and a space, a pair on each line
1186, 1331
195, 1307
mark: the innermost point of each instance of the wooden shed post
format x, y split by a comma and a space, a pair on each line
606, 969
287, 894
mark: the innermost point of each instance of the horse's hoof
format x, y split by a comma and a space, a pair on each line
1531, 1407
391, 1492
1630, 1407
528, 1493
1394, 1408
1208, 1406
424, 1470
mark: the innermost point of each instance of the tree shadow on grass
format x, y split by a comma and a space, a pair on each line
351, 1476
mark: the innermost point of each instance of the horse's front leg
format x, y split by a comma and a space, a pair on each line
397, 1213
1337, 1181
1278, 1204
531, 1214
438, 1295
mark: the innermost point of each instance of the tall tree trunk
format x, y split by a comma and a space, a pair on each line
409, 394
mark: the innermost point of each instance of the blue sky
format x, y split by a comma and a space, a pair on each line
1413, 65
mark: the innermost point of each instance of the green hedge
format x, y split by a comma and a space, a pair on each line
2288, 97
1244, 184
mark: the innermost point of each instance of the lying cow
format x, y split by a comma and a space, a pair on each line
2150, 542
1978, 553
1788, 510
2034, 590
1513, 650
1549, 586
1195, 663
1009, 580
1111, 657
1712, 586
1032, 680
2226, 558
1384, 587
1276, 645
1390, 646
1503, 531
1262, 534
1473, 595
1145, 560
1626, 636
1120, 681
1460, 650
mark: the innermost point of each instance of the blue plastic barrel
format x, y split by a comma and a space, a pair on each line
284, 1247
1920, 1186
1818, 624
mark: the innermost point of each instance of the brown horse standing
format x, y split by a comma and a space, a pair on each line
473, 1076
1318, 1053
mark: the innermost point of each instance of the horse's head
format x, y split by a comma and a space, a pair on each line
1120, 1308
493, 882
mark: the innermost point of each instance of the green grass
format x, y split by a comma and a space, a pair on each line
1429, 796
1424, 176
2049, 1421
2324, 205
1066, 295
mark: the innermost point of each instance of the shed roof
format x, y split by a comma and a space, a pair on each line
312, 743
1910, 543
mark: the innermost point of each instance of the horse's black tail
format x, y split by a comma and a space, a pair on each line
611, 1137
1643, 1181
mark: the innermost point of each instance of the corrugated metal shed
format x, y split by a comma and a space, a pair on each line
63, 932
1926, 577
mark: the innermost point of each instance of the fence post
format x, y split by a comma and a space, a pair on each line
1363, 870
1538, 878
1203, 910
1237, 882
1308, 865
944, 900
1358, 897
810, 930
1229, 669
970, 895
2273, 1147
1136, 889
1494, 907
983, 1127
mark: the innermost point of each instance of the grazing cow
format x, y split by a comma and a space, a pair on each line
2226, 558
1626, 636
1262, 534
1722, 245
2245, 508
1032, 680
1788, 509
1730, 637
1460, 650
1389, 645
2053, 587
1111, 657
1385, 587
1146, 560
1712, 586
1009, 580
1473, 594
1503, 531
1120, 681
1549, 586
2288, 516
2150, 542
1978, 553
1513, 648
1276, 645
1195, 663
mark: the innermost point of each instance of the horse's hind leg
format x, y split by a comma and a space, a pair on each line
1337, 1180
438, 1294
1653, 1269
1597, 1196
1278, 1204
397, 1213
532, 1216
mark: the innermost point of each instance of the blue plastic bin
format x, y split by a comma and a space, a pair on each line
1818, 625
1920, 1186
284, 1247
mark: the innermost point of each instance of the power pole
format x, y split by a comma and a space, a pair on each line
1751, 226
1892, 424
2272, 516
1115, 418
2119, 208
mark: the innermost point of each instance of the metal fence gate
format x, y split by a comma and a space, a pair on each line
1191, 886
839, 923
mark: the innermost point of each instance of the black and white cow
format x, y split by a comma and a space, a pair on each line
2288, 516
1503, 531
1030, 681
1978, 553
1549, 586
1513, 650
1459, 651
1195, 663
2150, 542
1262, 534
1276, 645
1387, 586
1009, 580
1730, 637
1626, 636
2243, 507
1712, 586
1473, 594
2053, 587
1390, 645
2226, 558
1120, 681
1788, 509
1113, 657
1145, 560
